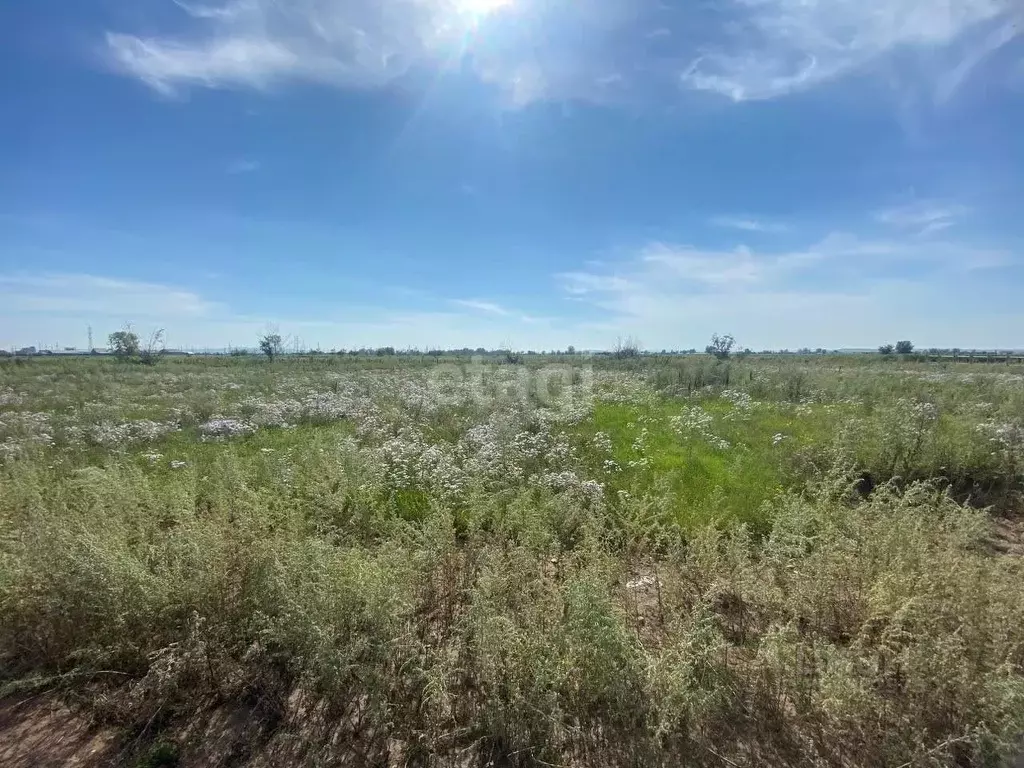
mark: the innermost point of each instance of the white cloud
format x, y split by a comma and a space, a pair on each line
748, 224
925, 216
663, 274
482, 306
162, 64
229, 11
598, 50
243, 166
950, 81
777, 47
90, 295
667, 296
714, 268
256, 43
842, 290
524, 85
1015, 79
581, 283
497, 310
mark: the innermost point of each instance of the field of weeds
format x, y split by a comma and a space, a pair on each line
573, 562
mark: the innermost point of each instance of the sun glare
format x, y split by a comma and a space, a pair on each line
478, 9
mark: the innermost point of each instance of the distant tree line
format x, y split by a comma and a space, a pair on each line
127, 345
900, 348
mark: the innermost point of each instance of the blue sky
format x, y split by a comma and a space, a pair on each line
535, 173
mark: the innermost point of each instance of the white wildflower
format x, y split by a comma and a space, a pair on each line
696, 421
602, 442
220, 428
642, 582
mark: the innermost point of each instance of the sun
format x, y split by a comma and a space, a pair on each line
478, 9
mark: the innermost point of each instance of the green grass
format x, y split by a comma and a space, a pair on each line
701, 482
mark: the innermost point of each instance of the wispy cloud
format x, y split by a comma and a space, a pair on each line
59, 307
715, 268
197, 11
781, 46
749, 224
950, 81
482, 306
256, 43
493, 309
743, 49
164, 64
582, 283
840, 290
1016, 75
83, 294
662, 273
924, 216
243, 166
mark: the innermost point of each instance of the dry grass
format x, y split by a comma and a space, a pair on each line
289, 607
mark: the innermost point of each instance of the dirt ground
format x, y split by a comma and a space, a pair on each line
42, 732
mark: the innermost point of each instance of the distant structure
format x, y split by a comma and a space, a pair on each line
90, 339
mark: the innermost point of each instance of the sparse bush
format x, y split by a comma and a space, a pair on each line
151, 354
626, 349
886, 349
271, 345
720, 346
904, 347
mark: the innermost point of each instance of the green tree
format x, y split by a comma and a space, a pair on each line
124, 344
904, 347
270, 345
885, 349
720, 346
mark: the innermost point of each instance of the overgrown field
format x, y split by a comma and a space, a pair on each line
661, 561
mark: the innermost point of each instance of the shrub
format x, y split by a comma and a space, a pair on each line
628, 348
270, 345
720, 346
124, 344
